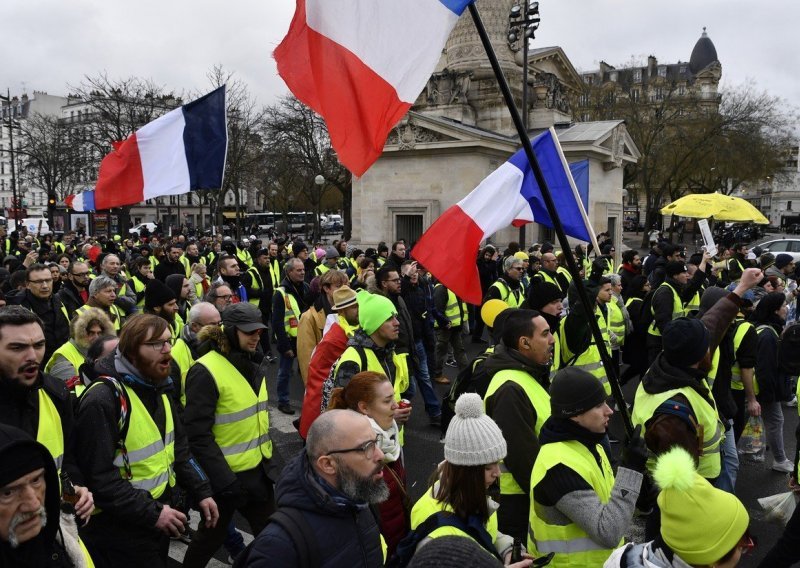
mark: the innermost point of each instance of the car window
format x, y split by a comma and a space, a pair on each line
778, 246
795, 246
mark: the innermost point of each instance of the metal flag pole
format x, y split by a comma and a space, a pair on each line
611, 373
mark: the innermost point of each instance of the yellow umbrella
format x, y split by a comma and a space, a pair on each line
720, 207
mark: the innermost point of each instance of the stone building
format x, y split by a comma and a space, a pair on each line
459, 131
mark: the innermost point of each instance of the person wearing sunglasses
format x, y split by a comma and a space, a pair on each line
701, 526
227, 423
509, 286
326, 491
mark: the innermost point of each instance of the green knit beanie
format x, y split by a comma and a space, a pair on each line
373, 311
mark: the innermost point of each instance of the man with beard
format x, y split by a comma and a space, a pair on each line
630, 268
545, 298
517, 401
32, 531
288, 303
509, 286
33, 401
75, 291
38, 298
132, 448
159, 300
328, 489
190, 257
170, 264
227, 422
142, 273
230, 274
180, 287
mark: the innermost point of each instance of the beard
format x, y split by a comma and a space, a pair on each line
364, 489
13, 539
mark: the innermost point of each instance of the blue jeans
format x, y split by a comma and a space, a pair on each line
284, 376
234, 542
730, 462
423, 380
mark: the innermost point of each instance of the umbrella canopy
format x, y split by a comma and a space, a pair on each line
720, 207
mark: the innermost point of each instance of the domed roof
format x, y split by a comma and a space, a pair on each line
703, 54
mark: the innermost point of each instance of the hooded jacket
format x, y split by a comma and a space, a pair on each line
202, 395
346, 531
97, 435
54, 546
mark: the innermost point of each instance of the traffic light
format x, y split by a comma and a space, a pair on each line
51, 201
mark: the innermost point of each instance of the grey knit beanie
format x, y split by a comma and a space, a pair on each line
472, 437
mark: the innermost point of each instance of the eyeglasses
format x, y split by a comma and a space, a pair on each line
258, 331
367, 448
80, 274
47, 281
225, 297
160, 346
394, 280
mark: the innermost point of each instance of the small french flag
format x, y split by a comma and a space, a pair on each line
83, 201
181, 151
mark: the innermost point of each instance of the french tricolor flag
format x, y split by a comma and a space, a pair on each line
361, 64
508, 196
181, 151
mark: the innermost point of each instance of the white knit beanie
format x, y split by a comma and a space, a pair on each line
472, 437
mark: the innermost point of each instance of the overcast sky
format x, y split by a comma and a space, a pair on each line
49, 44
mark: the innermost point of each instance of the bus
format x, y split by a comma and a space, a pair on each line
299, 221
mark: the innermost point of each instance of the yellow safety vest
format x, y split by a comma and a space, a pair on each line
645, 405
616, 321
176, 328
69, 352
321, 269
138, 287
241, 421
187, 267
540, 401
692, 305
742, 327
570, 543
513, 298
427, 505
255, 284
589, 360
455, 309
151, 458
113, 312
275, 272
677, 310
545, 277
291, 313
565, 272
49, 432
183, 357
244, 256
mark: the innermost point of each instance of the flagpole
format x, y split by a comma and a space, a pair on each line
611, 373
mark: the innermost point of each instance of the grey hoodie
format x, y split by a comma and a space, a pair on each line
643, 556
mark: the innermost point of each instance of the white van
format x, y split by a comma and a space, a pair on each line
34, 225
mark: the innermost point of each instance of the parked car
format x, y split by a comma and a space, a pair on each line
793, 229
34, 225
777, 246
151, 227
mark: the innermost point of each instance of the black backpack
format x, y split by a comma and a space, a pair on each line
789, 350
408, 546
301, 534
472, 378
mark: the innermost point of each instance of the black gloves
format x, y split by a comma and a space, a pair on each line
634, 454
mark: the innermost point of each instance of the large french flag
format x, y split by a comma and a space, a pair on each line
509, 195
361, 64
181, 151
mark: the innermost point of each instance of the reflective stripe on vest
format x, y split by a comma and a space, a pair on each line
49, 432
556, 364
645, 405
455, 309
69, 352
241, 421
514, 298
291, 313
589, 360
321, 269
542, 275
540, 403
275, 272
570, 543
692, 305
138, 288
742, 327
151, 458
677, 309
256, 283
564, 272
183, 358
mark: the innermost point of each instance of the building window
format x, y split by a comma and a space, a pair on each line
588, 79
683, 69
681, 90
637, 75
662, 70
659, 94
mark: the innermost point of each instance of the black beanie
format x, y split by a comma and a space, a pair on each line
542, 293
21, 455
674, 267
685, 341
156, 294
783, 260
453, 551
606, 248
574, 391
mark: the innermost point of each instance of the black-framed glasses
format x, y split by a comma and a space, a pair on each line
367, 448
160, 346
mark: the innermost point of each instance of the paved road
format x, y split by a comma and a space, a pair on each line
424, 450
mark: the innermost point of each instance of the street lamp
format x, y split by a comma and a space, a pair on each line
320, 181
523, 21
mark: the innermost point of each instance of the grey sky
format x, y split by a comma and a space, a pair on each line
49, 43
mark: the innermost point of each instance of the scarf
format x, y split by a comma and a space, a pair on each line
390, 446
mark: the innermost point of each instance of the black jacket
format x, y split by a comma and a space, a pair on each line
772, 384
70, 297
202, 395
166, 268
97, 435
346, 531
